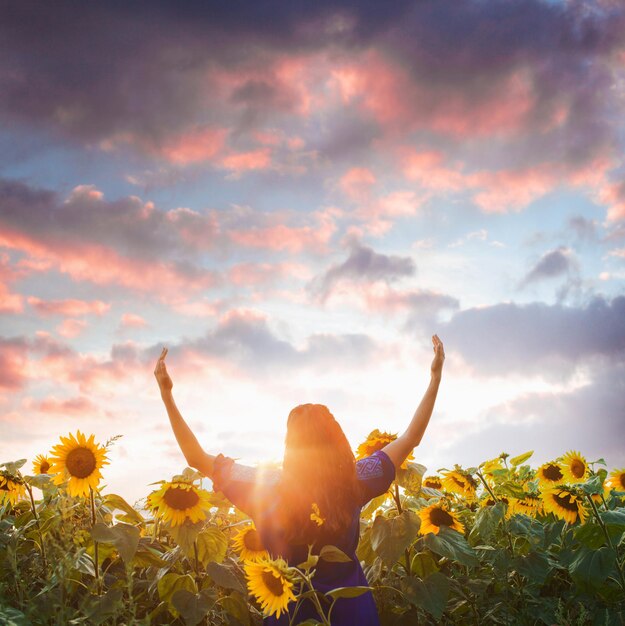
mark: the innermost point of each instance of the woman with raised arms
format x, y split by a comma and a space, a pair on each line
317, 496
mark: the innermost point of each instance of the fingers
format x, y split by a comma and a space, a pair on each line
160, 364
164, 352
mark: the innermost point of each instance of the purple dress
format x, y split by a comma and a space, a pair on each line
247, 488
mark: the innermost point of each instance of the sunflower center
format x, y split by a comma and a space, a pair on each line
181, 499
577, 468
44, 467
439, 517
566, 501
273, 583
433, 484
252, 541
622, 479
80, 462
552, 472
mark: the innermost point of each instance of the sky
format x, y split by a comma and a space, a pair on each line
293, 197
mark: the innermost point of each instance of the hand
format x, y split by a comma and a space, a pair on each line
165, 383
439, 356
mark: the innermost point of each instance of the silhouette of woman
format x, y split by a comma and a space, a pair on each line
318, 469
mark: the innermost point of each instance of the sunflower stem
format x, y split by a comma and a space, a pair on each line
197, 562
95, 544
397, 499
619, 567
42, 546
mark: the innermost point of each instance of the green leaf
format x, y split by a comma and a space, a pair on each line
193, 607
309, 563
212, 544
101, 608
170, 583
223, 576
521, 458
115, 502
528, 528
13, 466
613, 519
236, 606
594, 485
347, 592
373, 505
453, 545
591, 535
124, 537
390, 537
148, 557
488, 519
41, 481
423, 564
185, 535
535, 566
510, 488
431, 594
592, 566
334, 555
410, 478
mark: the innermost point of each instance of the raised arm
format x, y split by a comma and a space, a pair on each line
191, 448
399, 449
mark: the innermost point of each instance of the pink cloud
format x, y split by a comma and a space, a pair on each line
247, 274
195, 146
131, 320
356, 183
401, 103
70, 308
245, 161
293, 239
71, 328
102, 265
9, 302
78, 406
13, 364
512, 190
428, 169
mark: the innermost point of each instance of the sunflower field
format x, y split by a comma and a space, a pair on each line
502, 543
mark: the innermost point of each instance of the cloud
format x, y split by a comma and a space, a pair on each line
536, 338
245, 340
423, 306
363, 265
69, 307
588, 418
555, 263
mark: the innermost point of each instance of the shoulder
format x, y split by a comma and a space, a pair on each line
376, 465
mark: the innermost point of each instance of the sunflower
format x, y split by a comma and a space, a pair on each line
461, 483
248, 544
41, 464
574, 467
530, 504
271, 584
509, 502
549, 475
437, 515
433, 482
375, 441
616, 480
11, 488
178, 501
564, 504
315, 516
78, 459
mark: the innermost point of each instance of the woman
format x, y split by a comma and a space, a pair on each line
317, 497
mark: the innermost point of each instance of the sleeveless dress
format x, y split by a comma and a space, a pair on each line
250, 490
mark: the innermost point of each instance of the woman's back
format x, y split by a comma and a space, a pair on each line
255, 494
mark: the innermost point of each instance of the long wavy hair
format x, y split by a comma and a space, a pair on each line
319, 467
